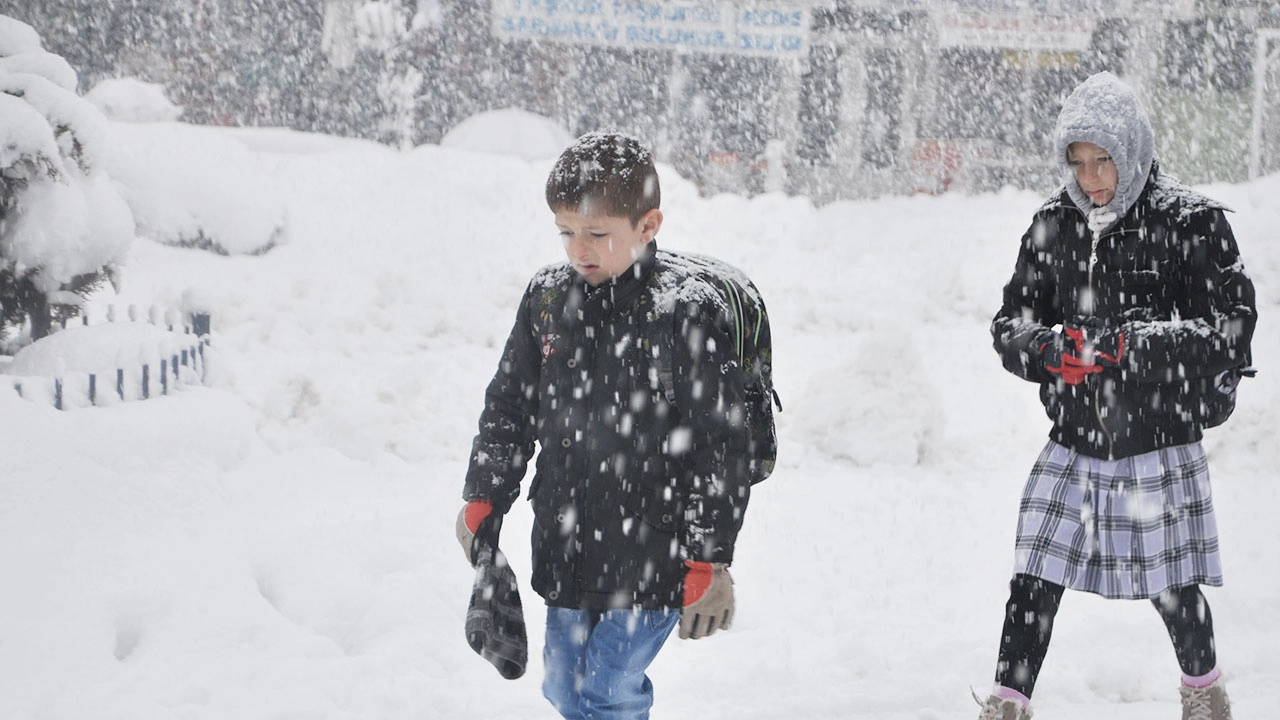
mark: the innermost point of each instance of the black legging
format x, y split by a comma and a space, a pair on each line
1028, 625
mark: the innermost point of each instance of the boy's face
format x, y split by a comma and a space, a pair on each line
602, 247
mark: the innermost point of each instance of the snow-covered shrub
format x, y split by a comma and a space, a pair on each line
63, 226
192, 186
186, 186
132, 100
510, 131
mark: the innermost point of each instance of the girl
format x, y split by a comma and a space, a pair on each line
1127, 300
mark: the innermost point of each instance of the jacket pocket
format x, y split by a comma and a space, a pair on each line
660, 508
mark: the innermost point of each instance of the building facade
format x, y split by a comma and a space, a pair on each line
831, 99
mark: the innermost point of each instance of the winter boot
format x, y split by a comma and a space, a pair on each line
1207, 703
998, 708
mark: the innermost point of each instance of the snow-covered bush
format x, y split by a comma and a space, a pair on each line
510, 131
185, 186
132, 100
191, 186
63, 226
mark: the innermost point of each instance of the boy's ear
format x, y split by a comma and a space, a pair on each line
649, 223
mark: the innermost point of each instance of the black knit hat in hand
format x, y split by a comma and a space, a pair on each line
495, 618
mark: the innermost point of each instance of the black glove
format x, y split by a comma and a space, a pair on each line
495, 618
1050, 346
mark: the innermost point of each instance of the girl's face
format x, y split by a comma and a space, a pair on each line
1096, 172
602, 247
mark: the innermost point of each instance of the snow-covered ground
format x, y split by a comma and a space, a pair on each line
278, 543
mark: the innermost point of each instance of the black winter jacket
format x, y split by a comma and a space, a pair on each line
628, 485
1170, 275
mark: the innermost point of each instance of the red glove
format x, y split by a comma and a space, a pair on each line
1073, 370
1060, 356
476, 512
696, 581
1096, 341
708, 600
470, 518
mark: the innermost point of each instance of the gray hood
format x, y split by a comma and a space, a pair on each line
1105, 111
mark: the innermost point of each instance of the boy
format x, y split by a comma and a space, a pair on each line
640, 489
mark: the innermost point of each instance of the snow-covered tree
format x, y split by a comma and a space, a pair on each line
63, 225
380, 31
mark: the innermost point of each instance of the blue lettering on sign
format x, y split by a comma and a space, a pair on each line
668, 24
750, 41
772, 18
563, 29
635, 11
700, 14
653, 11
761, 42
577, 7
674, 37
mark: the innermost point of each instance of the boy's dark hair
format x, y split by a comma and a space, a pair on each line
606, 173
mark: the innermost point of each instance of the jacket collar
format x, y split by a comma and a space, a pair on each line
1062, 200
626, 286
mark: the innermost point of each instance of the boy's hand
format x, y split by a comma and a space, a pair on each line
475, 529
708, 600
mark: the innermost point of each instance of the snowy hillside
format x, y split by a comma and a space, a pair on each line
278, 544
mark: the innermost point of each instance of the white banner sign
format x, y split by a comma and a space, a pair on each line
1107, 8
1036, 32
751, 28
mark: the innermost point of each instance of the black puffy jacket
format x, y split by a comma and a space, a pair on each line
1170, 275
628, 485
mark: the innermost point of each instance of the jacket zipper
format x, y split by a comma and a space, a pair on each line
1097, 391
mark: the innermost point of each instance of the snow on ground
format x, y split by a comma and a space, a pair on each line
278, 543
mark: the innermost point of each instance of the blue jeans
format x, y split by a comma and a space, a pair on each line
596, 661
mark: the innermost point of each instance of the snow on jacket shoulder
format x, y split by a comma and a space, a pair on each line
628, 484
1169, 273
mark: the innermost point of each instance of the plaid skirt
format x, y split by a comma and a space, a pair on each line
1129, 528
